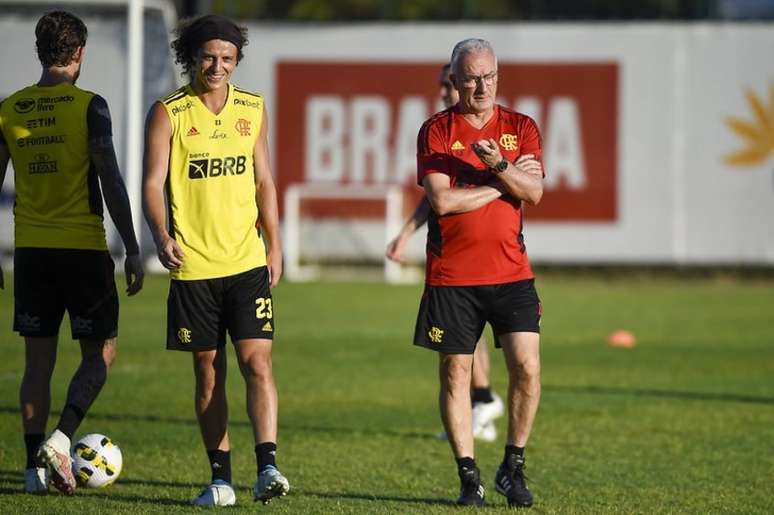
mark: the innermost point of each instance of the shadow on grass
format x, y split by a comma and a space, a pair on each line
118, 498
667, 394
358, 431
114, 495
367, 497
126, 417
145, 500
150, 482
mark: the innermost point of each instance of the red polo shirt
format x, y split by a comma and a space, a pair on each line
484, 246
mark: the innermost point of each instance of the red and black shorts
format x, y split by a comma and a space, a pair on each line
451, 318
49, 281
200, 312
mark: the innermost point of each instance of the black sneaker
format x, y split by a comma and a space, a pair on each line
471, 489
512, 483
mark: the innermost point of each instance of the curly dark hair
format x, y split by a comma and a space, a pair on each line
192, 33
58, 35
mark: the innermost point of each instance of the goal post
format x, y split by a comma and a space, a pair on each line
391, 195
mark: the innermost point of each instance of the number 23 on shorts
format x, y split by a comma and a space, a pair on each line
263, 309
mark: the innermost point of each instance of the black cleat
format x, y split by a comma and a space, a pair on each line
512, 483
471, 489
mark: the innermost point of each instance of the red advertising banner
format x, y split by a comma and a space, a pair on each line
357, 123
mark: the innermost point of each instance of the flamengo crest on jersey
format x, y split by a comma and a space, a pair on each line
211, 183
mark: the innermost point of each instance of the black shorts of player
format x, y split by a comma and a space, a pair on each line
200, 312
451, 318
49, 281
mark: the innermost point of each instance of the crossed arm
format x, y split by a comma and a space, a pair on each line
522, 180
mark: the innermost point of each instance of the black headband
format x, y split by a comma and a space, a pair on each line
211, 27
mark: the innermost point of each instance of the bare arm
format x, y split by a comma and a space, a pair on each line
446, 200
266, 197
103, 157
158, 132
5, 156
522, 179
415, 221
418, 218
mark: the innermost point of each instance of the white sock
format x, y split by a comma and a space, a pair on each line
59, 440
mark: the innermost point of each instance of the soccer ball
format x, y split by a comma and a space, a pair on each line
97, 461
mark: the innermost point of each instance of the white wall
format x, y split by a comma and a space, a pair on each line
676, 198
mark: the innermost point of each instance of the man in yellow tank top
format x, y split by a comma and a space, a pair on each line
209, 197
59, 138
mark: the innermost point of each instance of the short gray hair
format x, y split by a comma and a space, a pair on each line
467, 46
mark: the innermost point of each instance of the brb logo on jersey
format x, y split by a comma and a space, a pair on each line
216, 167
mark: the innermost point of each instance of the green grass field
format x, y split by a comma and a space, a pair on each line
682, 423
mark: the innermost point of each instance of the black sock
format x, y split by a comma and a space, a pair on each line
71, 418
220, 464
465, 463
32, 441
512, 454
482, 395
265, 455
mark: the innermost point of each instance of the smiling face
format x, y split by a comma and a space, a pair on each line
215, 62
476, 81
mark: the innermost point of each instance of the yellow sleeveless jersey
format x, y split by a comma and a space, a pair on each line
211, 184
58, 201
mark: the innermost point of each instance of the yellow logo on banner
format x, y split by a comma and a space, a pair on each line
757, 133
508, 142
435, 334
457, 146
184, 335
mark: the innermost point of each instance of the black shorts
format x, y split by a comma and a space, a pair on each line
49, 281
200, 312
451, 318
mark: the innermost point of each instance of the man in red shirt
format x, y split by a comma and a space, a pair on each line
487, 405
478, 161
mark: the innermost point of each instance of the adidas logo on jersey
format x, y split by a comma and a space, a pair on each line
192, 132
457, 146
267, 327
